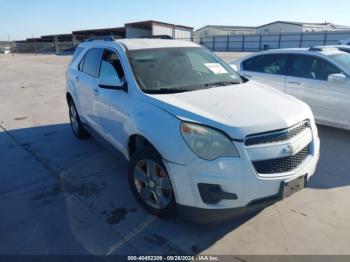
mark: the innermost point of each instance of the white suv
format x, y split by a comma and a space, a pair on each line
319, 76
198, 137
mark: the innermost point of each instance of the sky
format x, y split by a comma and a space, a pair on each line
20, 19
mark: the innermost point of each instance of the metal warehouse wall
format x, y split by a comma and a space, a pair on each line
279, 27
183, 33
175, 32
163, 30
137, 32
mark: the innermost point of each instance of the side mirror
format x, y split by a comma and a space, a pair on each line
112, 82
337, 78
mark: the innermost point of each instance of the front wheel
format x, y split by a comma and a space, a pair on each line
150, 182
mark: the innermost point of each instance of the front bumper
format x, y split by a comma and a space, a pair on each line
207, 216
235, 176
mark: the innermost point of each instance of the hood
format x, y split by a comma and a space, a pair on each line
238, 110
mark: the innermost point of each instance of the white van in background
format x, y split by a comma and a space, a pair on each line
7, 50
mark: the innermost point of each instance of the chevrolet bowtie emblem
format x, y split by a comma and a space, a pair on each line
288, 150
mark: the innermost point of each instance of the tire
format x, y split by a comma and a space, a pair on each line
150, 183
76, 125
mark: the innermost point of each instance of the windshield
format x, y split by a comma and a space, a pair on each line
343, 59
167, 70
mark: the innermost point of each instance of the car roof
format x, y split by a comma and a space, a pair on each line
322, 51
144, 43
318, 50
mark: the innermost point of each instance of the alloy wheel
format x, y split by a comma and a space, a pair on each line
152, 184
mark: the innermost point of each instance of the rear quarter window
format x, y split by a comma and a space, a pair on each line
91, 62
77, 52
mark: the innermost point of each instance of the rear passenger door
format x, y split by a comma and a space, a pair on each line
269, 69
87, 85
308, 81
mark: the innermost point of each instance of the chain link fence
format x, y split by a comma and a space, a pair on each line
58, 48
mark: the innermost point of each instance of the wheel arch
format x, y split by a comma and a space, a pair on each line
136, 141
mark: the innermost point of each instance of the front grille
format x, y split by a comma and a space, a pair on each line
276, 136
281, 165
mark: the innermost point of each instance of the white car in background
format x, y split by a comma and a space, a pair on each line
344, 48
198, 137
319, 76
344, 42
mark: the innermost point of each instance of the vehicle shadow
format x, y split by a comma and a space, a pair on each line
334, 165
103, 216
87, 184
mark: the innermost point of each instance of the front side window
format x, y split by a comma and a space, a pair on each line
275, 64
180, 69
343, 59
111, 65
91, 63
312, 67
330, 69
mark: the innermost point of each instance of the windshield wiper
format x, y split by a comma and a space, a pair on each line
166, 90
221, 83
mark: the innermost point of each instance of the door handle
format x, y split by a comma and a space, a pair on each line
96, 93
294, 83
77, 78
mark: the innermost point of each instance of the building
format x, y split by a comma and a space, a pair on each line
298, 27
65, 43
115, 32
154, 28
211, 30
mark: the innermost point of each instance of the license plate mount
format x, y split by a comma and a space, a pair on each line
293, 186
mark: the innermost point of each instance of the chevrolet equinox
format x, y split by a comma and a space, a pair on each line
200, 139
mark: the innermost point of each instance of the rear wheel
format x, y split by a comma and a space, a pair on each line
150, 182
75, 122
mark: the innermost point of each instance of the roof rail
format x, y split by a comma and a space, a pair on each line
322, 48
158, 37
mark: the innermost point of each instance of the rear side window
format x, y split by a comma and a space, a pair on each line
76, 53
275, 64
91, 62
312, 67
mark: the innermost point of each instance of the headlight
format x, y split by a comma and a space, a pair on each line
206, 142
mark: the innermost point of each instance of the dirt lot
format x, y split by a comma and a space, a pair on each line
59, 195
